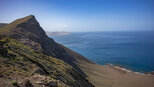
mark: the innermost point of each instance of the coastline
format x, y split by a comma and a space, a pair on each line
128, 70
115, 76
125, 69
115, 66
97, 45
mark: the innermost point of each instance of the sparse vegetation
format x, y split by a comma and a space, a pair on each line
24, 61
14, 83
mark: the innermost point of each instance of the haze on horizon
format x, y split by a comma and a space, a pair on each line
82, 15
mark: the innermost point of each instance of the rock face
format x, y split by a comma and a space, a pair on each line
28, 31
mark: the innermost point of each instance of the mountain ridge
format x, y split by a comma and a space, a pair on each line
28, 31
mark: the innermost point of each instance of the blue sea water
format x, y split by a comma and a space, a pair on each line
131, 49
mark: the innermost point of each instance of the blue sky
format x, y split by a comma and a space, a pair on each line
83, 15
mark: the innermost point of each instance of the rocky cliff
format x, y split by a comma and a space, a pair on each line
28, 31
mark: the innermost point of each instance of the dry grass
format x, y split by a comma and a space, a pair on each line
109, 76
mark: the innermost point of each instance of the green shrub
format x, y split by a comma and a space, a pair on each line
14, 83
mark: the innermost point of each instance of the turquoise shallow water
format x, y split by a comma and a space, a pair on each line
133, 50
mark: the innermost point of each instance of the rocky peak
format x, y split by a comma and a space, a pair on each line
27, 18
28, 31
31, 25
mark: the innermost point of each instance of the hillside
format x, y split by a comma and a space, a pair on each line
25, 66
28, 31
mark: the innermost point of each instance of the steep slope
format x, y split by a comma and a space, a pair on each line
21, 66
28, 31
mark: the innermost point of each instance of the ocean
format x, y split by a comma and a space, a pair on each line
131, 49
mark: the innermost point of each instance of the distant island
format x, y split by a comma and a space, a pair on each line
49, 33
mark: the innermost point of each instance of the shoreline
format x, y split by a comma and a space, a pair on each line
115, 66
109, 75
127, 70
